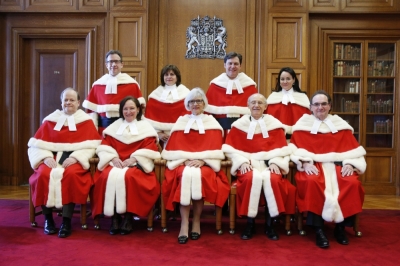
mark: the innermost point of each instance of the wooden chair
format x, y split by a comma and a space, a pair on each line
160, 165
93, 168
226, 165
300, 216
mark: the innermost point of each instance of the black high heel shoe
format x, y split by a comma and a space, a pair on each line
182, 239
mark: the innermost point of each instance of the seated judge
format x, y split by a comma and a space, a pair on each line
193, 174
165, 103
59, 154
125, 183
329, 160
257, 147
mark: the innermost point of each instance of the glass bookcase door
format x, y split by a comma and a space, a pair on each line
380, 95
347, 82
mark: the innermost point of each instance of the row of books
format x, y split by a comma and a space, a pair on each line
342, 68
379, 106
374, 86
347, 51
349, 106
381, 54
383, 126
383, 68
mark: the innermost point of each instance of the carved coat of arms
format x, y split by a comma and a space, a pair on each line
206, 38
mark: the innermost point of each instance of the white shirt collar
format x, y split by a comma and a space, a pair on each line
199, 122
287, 96
317, 124
61, 120
131, 125
253, 126
237, 84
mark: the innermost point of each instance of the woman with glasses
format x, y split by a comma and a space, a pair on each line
125, 183
288, 102
329, 160
165, 103
193, 172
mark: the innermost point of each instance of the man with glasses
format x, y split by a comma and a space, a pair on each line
257, 146
103, 100
228, 93
329, 160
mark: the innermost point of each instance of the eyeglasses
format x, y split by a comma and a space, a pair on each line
324, 104
257, 102
196, 101
113, 61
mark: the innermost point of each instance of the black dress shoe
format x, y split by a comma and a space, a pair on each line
127, 225
271, 233
248, 231
194, 235
65, 230
340, 235
115, 222
321, 240
182, 239
49, 227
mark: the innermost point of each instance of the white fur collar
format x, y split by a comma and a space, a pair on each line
301, 98
209, 122
222, 80
271, 122
182, 92
144, 129
306, 122
79, 116
122, 78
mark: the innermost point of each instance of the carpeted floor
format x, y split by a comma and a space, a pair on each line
20, 244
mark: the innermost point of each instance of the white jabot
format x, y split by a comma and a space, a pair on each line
111, 87
61, 121
253, 125
197, 119
237, 84
317, 124
170, 89
287, 96
132, 127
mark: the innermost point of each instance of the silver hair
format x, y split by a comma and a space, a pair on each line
195, 92
265, 100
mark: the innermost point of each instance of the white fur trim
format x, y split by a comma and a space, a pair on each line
222, 80
37, 155
269, 193
271, 123
157, 93
209, 122
83, 156
106, 154
122, 78
79, 116
158, 126
95, 118
115, 195
51, 146
331, 210
54, 198
306, 122
179, 155
145, 130
186, 183
255, 192
222, 110
196, 183
300, 98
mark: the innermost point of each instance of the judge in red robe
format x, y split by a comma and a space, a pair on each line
329, 160
257, 146
103, 100
125, 182
228, 93
193, 171
165, 103
59, 154
287, 103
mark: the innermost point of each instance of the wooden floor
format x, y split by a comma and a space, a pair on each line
371, 202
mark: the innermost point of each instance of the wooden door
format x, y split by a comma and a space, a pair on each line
47, 67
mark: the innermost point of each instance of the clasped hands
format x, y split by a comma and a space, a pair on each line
117, 162
246, 167
51, 163
194, 163
347, 169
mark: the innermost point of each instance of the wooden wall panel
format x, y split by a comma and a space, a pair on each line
370, 5
125, 5
175, 17
11, 5
93, 5
51, 5
380, 178
324, 5
287, 40
128, 34
287, 5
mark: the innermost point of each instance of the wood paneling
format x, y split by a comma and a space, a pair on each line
287, 5
324, 5
287, 40
51, 5
125, 5
370, 5
175, 17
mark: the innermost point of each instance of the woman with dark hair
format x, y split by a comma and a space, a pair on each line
125, 182
288, 102
166, 102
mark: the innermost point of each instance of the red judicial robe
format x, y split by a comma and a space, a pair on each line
288, 114
162, 114
183, 183
221, 104
129, 189
279, 192
54, 187
328, 194
107, 105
